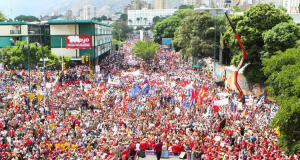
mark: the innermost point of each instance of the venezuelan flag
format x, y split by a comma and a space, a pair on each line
127, 98
238, 3
245, 112
56, 81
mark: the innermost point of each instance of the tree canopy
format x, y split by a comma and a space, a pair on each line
121, 28
280, 38
16, 55
2, 17
283, 72
124, 17
27, 18
194, 37
182, 13
251, 29
166, 28
186, 6
146, 50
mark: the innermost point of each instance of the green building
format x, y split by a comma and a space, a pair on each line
53, 34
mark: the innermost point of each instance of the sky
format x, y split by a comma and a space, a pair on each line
26, 7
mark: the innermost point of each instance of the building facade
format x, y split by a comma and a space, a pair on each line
291, 6
52, 33
88, 12
195, 3
145, 16
161, 4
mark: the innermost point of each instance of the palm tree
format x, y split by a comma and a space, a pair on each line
138, 19
145, 19
130, 21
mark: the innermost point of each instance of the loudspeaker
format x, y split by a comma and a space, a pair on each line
182, 155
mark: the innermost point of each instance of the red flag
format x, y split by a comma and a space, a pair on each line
216, 109
27, 117
168, 91
49, 116
52, 115
201, 98
34, 117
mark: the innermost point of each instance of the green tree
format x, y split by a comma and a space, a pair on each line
122, 28
16, 55
283, 9
27, 18
194, 38
250, 29
166, 28
124, 17
157, 19
185, 6
103, 18
280, 38
283, 72
182, 13
2, 17
116, 42
237, 9
146, 50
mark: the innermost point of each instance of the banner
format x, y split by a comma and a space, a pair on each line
78, 41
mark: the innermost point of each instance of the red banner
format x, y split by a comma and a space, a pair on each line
78, 41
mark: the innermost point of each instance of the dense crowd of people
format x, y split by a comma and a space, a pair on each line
127, 106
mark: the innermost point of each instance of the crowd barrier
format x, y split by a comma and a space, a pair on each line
189, 156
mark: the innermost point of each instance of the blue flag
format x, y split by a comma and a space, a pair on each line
232, 106
98, 81
137, 89
133, 91
192, 103
172, 100
185, 104
146, 89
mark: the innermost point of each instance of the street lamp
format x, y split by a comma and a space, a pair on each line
28, 48
215, 43
43, 55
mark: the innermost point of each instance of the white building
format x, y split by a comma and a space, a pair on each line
145, 16
291, 5
87, 13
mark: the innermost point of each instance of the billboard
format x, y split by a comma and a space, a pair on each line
166, 41
78, 41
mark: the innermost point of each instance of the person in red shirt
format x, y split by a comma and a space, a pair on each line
125, 154
143, 145
158, 149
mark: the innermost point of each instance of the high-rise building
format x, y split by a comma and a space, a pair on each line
161, 4
88, 12
195, 3
69, 14
144, 17
291, 6
139, 4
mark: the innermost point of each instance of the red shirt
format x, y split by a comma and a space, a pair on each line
158, 147
143, 146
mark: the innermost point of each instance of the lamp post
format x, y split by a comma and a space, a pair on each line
215, 43
43, 55
28, 47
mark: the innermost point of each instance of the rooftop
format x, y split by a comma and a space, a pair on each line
54, 22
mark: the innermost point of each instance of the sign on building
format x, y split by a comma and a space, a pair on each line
166, 41
78, 41
227, 3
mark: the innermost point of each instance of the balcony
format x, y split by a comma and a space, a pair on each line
15, 31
